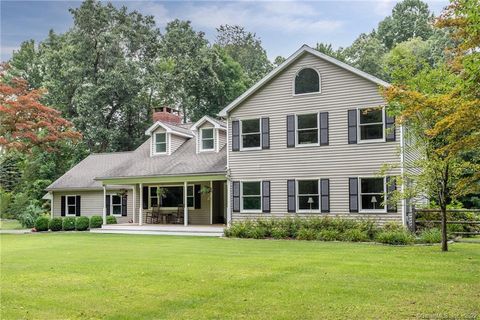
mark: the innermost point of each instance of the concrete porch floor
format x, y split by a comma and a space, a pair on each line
215, 230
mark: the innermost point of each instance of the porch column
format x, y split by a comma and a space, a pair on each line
140, 212
134, 206
104, 204
185, 204
51, 204
211, 202
229, 204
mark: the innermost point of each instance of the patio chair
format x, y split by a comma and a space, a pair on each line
153, 215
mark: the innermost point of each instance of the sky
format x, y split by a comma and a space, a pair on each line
283, 26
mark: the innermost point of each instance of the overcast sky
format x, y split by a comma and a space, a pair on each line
283, 26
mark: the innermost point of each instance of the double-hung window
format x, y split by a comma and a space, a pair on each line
116, 205
307, 129
71, 205
208, 139
161, 142
372, 194
250, 137
308, 195
251, 196
371, 124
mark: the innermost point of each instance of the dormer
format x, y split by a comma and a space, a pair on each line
210, 133
166, 135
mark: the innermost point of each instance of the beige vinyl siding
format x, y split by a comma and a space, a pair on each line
341, 91
91, 203
175, 142
222, 139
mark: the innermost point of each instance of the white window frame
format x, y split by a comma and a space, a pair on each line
296, 130
111, 205
297, 195
361, 210
359, 110
156, 142
67, 205
307, 93
241, 197
212, 138
171, 185
242, 134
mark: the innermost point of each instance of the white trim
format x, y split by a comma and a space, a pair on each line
298, 145
359, 139
140, 212
75, 205
211, 202
214, 135
297, 194
204, 119
229, 202
111, 205
51, 204
185, 200
289, 61
259, 133
104, 204
241, 197
167, 144
307, 93
384, 210
134, 205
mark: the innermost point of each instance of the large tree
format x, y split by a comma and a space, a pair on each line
366, 54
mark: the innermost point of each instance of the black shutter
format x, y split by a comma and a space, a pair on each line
236, 196
77, 206
266, 196
325, 193
389, 127
124, 205
352, 126
291, 205
145, 198
391, 187
353, 194
290, 131
324, 128
265, 133
198, 196
107, 206
235, 135
62, 206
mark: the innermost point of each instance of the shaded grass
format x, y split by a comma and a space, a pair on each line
10, 225
85, 275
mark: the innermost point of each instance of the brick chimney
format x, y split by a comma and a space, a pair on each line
166, 114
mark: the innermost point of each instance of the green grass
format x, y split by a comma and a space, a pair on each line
10, 225
83, 275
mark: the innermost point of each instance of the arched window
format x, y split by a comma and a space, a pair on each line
306, 81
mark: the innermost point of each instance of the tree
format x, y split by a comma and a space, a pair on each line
278, 61
246, 49
366, 54
25, 122
329, 51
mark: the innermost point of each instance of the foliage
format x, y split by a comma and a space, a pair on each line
10, 173
96, 222
56, 224
355, 235
82, 223
430, 236
111, 220
328, 235
306, 234
41, 224
5, 198
28, 212
327, 49
68, 224
366, 53
395, 237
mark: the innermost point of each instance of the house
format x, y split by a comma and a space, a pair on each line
309, 139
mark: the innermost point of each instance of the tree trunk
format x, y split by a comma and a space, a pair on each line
444, 228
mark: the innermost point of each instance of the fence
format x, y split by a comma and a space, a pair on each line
416, 219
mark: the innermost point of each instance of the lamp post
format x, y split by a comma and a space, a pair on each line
374, 200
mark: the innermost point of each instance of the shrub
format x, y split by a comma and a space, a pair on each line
69, 224
328, 235
397, 237
369, 227
96, 222
238, 230
392, 226
257, 232
111, 220
306, 234
55, 224
431, 236
41, 224
279, 232
82, 223
355, 235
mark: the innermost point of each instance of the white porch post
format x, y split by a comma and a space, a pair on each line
51, 204
185, 204
134, 206
211, 202
104, 204
140, 212
229, 204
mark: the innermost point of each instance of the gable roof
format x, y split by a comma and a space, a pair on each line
170, 128
289, 61
216, 123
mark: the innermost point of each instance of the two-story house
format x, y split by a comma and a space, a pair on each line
310, 138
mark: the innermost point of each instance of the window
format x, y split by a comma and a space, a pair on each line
208, 141
71, 205
308, 195
372, 194
160, 142
370, 124
116, 205
251, 196
173, 196
307, 81
250, 133
307, 129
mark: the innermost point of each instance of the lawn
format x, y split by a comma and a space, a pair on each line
83, 275
10, 225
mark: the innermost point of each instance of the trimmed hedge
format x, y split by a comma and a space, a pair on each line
111, 220
55, 224
68, 224
96, 222
82, 223
41, 224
